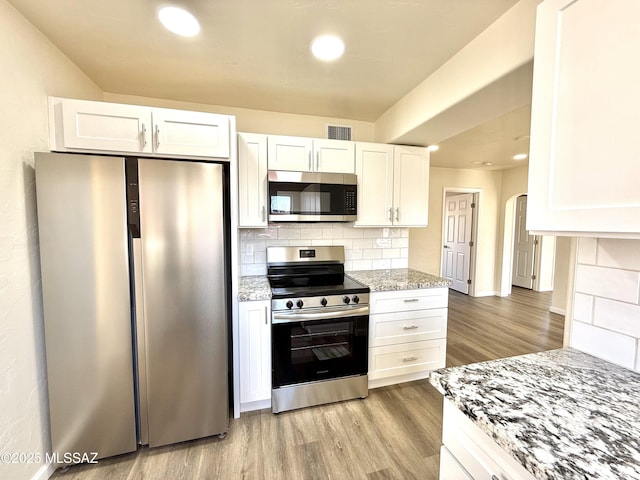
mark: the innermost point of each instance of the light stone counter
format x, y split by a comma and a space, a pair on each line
397, 279
254, 288
562, 414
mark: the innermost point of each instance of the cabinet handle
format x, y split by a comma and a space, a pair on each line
411, 300
144, 135
397, 214
493, 477
409, 359
266, 315
317, 161
310, 164
409, 327
264, 213
391, 214
157, 136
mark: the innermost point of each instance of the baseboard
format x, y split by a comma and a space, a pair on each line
487, 294
45, 472
559, 311
257, 405
409, 377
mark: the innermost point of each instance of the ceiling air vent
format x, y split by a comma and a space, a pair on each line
338, 132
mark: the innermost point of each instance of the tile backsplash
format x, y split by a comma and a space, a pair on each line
364, 248
606, 304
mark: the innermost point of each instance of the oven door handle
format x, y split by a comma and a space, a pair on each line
288, 317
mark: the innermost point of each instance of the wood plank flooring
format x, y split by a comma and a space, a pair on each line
393, 434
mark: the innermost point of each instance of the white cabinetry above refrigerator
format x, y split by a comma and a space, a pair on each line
93, 127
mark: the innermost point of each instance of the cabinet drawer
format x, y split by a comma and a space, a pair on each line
392, 360
412, 326
406, 300
478, 454
450, 469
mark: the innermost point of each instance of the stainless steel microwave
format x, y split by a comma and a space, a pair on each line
312, 196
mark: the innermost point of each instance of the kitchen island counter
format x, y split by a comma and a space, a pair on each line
397, 279
561, 414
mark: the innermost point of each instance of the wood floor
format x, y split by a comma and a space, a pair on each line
393, 434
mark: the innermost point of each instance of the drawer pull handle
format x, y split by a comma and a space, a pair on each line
409, 327
409, 359
411, 300
493, 477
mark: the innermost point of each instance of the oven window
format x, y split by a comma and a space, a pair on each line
320, 342
319, 350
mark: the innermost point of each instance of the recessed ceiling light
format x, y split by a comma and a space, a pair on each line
520, 156
433, 148
476, 162
487, 164
327, 47
179, 21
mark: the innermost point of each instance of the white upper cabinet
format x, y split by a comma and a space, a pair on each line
252, 178
393, 185
374, 169
177, 132
303, 154
87, 126
585, 155
411, 186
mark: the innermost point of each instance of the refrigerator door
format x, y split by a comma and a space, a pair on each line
85, 290
185, 314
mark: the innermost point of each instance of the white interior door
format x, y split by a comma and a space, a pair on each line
523, 245
457, 240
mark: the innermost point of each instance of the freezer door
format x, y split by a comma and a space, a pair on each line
85, 290
183, 290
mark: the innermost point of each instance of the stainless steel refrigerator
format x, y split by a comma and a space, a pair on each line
134, 261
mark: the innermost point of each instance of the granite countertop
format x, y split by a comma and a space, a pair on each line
253, 288
397, 279
562, 414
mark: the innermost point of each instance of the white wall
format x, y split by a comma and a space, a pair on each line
561, 275
364, 248
260, 121
32, 69
606, 301
425, 244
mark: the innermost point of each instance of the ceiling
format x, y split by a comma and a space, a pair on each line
255, 53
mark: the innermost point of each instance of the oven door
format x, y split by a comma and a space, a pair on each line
327, 344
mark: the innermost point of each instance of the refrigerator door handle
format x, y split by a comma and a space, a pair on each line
141, 351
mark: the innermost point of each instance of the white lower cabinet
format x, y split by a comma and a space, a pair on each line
254, 354
407, 334
469, 453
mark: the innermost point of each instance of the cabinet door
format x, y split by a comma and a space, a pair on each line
252, 180
255, 351
374, 168
334, 156
290, 153
103, 126
180, 132
584, 154
410, 186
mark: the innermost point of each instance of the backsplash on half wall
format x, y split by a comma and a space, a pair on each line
606, 303
364, 248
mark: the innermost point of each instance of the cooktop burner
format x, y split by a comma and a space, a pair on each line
311, 277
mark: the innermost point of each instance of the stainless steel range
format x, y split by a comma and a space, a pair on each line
319, 328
